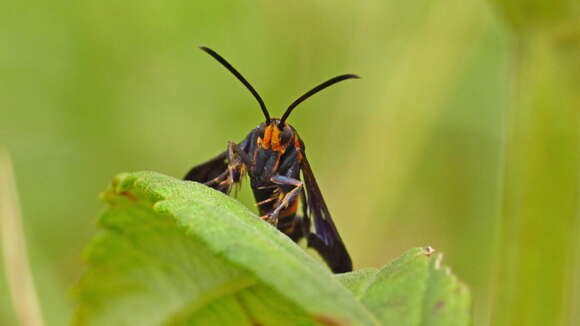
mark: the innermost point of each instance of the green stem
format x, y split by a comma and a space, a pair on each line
14, 251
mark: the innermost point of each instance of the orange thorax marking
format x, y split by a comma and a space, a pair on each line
297, 146
272, 139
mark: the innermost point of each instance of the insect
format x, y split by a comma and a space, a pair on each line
273, 156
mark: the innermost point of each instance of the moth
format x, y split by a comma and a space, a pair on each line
274, 158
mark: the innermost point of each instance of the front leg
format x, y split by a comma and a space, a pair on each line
287, 198
237, 163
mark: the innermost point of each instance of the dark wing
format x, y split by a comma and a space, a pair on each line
326, 240
211, 172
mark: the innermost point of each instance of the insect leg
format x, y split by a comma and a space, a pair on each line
235, 161
236, 152
299, 227
289, 197
238, 161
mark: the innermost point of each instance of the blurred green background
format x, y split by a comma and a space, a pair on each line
418, 152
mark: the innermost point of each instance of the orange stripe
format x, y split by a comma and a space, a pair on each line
267, 137
290, 209
275, 139
297, 146
271, 139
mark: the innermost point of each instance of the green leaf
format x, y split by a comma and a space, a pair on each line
176, 252
412, 290
179, 253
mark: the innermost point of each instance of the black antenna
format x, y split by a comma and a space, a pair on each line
315, 90
240, 78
